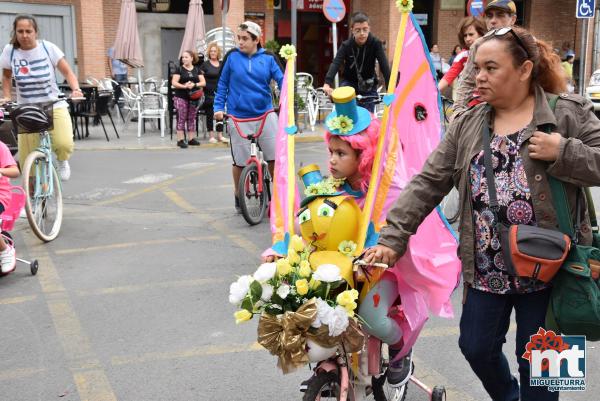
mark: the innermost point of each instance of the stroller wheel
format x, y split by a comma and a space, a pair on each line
438, 393
33, 266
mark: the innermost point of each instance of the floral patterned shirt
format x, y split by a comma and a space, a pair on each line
516, 207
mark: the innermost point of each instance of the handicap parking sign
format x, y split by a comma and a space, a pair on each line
585, 8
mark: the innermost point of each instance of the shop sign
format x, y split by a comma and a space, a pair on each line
452, 4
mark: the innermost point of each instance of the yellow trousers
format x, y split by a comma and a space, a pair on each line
62, 137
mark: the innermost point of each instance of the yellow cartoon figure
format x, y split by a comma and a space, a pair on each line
328, 218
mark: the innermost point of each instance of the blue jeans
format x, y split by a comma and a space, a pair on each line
483, 327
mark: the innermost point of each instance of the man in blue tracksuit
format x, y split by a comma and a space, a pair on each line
244, 90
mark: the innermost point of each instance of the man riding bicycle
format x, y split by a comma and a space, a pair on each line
244, 87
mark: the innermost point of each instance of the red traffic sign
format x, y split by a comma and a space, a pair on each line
334, 10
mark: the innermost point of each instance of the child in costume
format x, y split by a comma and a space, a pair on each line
352, 141
8, 169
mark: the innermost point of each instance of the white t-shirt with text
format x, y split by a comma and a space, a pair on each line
33, 71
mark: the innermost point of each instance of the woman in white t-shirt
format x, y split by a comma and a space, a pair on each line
32, 64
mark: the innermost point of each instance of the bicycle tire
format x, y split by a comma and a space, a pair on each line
451, 207
252, 202
42, 210
325, 385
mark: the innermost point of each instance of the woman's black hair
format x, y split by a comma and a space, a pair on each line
13, 36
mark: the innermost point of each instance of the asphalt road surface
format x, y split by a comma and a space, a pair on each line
130, 302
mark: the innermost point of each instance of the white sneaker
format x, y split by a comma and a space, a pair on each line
64, 170
8, 261
23, 214
212, 140
223, 139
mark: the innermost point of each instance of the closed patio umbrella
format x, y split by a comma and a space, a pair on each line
193, 38
127, 43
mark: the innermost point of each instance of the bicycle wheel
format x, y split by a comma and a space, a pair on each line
43, 204
252, 201
324, 386
450, 206
382, 391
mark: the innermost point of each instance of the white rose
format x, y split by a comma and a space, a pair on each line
267, 292
283, 291
323, 313
327, 273
338, 321
265, 272
239, 289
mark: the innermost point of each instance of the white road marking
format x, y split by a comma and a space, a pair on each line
227, 157
149, 179
193, 166
97, 194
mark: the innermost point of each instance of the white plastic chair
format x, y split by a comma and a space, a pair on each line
324, 103
130, 102
151, 105
307, 96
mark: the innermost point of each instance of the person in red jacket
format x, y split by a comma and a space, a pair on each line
469, 30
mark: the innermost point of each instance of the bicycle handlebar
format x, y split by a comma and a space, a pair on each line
262, 118
361, 262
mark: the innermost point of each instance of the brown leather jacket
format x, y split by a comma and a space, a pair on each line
578, 165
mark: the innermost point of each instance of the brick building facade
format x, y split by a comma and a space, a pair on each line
96, 24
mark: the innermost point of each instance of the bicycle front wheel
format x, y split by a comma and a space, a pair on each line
324, 386
43, 204
253, 202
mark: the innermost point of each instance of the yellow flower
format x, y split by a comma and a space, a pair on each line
296, 243
346, 124
405, 6
288, 51
333, 124
350, 311
314, 284
347, 298
305, 269
283, 267
302, 286
242, 316
347, 248
293, 257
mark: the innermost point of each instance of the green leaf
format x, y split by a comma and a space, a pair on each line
255, 290
247, 304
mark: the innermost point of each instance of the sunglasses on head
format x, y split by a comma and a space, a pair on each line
504, 31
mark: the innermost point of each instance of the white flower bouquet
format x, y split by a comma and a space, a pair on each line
291, 296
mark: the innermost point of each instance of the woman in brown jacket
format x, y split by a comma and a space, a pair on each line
516, 75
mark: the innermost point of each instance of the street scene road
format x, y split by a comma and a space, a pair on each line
130, 302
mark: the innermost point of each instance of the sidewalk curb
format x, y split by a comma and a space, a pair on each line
300, 139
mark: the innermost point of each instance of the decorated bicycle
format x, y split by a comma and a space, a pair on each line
318, 302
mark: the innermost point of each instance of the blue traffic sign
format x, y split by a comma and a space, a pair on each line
476, 7
585, 8
334, 10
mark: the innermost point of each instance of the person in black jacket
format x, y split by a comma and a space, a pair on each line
358, 55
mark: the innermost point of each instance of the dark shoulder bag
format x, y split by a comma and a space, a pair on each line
574, 306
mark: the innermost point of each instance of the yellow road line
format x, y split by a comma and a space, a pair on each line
17, 300
128, 289
88, 374
16, 374
124, 245
155, 187
215, 224
184, 354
